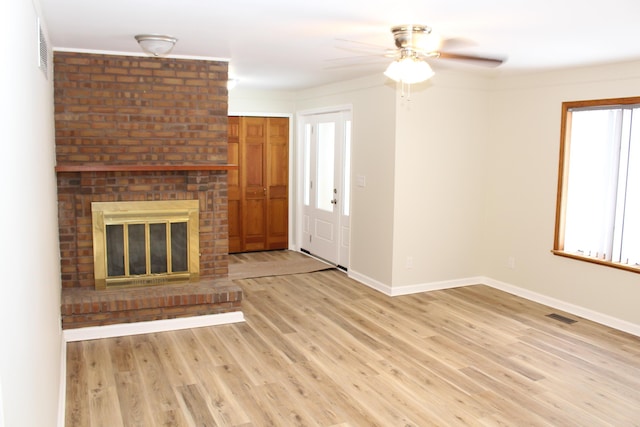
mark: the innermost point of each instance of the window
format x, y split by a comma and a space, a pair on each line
598, 212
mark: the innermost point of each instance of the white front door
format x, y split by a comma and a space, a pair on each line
325, 212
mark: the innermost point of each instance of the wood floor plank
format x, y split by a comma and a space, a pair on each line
122, 354
159, 391
131, 398
77, 395
171, 357
217, 352
221, 398
302, 383
196, 404
320, 349
104, 406
244, 393
217, 397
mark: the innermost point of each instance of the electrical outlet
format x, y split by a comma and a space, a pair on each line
409, 263
511, 262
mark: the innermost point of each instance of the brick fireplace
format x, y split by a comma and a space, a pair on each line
140, 129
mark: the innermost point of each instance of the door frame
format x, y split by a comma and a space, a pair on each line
299, 170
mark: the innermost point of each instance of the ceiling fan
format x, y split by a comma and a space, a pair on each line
414, 45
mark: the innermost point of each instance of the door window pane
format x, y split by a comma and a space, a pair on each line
346, 192
326, 148
307, 164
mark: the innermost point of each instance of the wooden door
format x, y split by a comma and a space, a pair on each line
254, 181
278, 182
259, 191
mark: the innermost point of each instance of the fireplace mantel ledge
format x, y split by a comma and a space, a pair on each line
142, 168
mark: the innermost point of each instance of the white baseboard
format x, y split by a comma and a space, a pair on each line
368, 281
435, 286
124, 329
613, 322
413, 289
604, 319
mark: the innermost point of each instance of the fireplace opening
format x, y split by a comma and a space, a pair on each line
145, 243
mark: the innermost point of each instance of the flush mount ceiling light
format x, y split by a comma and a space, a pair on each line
156, 44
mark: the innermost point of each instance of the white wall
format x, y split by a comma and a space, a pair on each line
252, 102
522, 183
441, 134
30, 359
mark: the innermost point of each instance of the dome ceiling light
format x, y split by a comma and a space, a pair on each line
156, 44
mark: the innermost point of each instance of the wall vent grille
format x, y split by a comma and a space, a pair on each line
43, 51
561, 318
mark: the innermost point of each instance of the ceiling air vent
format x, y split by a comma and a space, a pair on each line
43, 52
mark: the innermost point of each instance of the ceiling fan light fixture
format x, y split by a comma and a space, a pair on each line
409, 70
156, 44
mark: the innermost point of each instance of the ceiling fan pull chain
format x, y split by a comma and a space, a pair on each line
405, 88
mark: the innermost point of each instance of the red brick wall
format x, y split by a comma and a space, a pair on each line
139, 111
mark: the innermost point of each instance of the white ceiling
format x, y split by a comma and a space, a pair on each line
295, 44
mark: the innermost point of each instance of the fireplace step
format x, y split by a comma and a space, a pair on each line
82, 307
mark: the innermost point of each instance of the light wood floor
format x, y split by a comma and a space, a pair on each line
320, 349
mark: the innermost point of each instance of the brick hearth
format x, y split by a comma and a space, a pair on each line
87, 307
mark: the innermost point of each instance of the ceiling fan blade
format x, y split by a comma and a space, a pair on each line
360, 64
456, 43
355, 61
388, 53
356, 58
351, 44
492, 62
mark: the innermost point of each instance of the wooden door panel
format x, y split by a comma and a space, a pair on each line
253, 155
234, 193
253, 166
278, 182
278, 224
254, 219
235, 226
254, 225
253, 129
278, 161
278, 129
278, 192
233, 157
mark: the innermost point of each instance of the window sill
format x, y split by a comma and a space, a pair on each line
634, 269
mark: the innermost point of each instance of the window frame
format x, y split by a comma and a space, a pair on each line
563, 178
